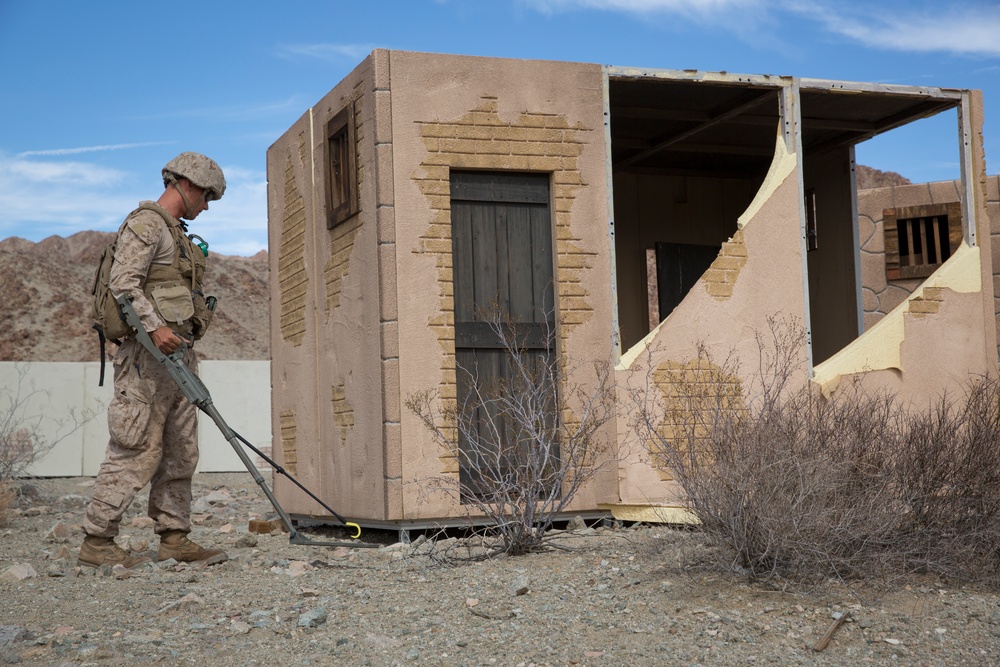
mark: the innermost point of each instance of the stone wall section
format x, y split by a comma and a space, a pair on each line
481, 139
293, 280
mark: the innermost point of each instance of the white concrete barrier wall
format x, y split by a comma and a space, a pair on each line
55, 397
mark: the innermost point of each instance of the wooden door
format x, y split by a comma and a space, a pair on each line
502, 265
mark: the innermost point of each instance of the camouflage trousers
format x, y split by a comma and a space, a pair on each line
153, 441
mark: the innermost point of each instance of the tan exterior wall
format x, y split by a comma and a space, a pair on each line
492, 114
759, 273
327, 375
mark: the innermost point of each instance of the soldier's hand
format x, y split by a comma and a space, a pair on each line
167, 340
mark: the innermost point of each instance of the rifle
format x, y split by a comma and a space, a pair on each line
196, 392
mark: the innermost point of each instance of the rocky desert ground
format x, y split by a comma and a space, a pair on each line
612, 595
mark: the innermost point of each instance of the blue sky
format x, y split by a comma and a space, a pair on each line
96, 96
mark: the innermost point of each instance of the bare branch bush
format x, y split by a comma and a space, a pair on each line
799, 487
526, 440
28, 431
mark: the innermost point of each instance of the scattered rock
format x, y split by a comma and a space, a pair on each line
72, 501
19, 572
313, 618
520, 586
575, 524
219, 497
247, 541
58, 532
142, 522
186, 603
239, 627
10, 634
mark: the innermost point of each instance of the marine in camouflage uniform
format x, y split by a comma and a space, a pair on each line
151, 423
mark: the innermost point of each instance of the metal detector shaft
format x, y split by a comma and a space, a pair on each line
195, 391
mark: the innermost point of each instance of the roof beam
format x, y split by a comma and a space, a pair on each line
749, 101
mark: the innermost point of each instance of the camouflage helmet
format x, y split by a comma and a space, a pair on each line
200, 170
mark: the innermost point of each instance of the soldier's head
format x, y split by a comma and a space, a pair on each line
197, 178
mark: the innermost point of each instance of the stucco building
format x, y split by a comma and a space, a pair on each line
423, 186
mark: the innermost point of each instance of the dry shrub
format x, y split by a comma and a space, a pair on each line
7, 498
525, 442
802, 488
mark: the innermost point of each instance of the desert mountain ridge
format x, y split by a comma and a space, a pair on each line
45, 309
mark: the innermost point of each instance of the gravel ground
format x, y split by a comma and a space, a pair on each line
617, 596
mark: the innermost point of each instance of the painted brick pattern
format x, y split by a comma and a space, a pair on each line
342, 239
927, 303
343, 411
720, 278
691, 392
481, 139
293, 281
289, 455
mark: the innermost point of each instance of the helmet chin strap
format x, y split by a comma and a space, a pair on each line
189, 211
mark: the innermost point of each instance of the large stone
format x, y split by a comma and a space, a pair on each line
58, 532
19, 572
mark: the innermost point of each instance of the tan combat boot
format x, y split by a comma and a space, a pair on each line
98, 551
175, 544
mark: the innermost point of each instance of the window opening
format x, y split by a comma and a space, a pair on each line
341, 170
919, 239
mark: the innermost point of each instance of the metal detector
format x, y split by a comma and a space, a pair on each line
196, 392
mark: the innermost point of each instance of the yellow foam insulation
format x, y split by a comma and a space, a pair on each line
783, 164
879, 347
650, 513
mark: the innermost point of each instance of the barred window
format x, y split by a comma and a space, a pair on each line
918, 239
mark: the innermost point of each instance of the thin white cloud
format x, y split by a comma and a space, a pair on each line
327, 52
687, 7
237, 112
90, 149
966, 29
39, 198
46, 197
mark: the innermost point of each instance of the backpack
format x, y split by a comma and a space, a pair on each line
108, 319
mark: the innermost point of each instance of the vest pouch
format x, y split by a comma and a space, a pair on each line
173, 303
202, 316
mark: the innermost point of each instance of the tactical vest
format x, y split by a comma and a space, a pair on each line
172, 288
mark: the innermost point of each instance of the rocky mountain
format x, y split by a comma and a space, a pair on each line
869, 178
45, 304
